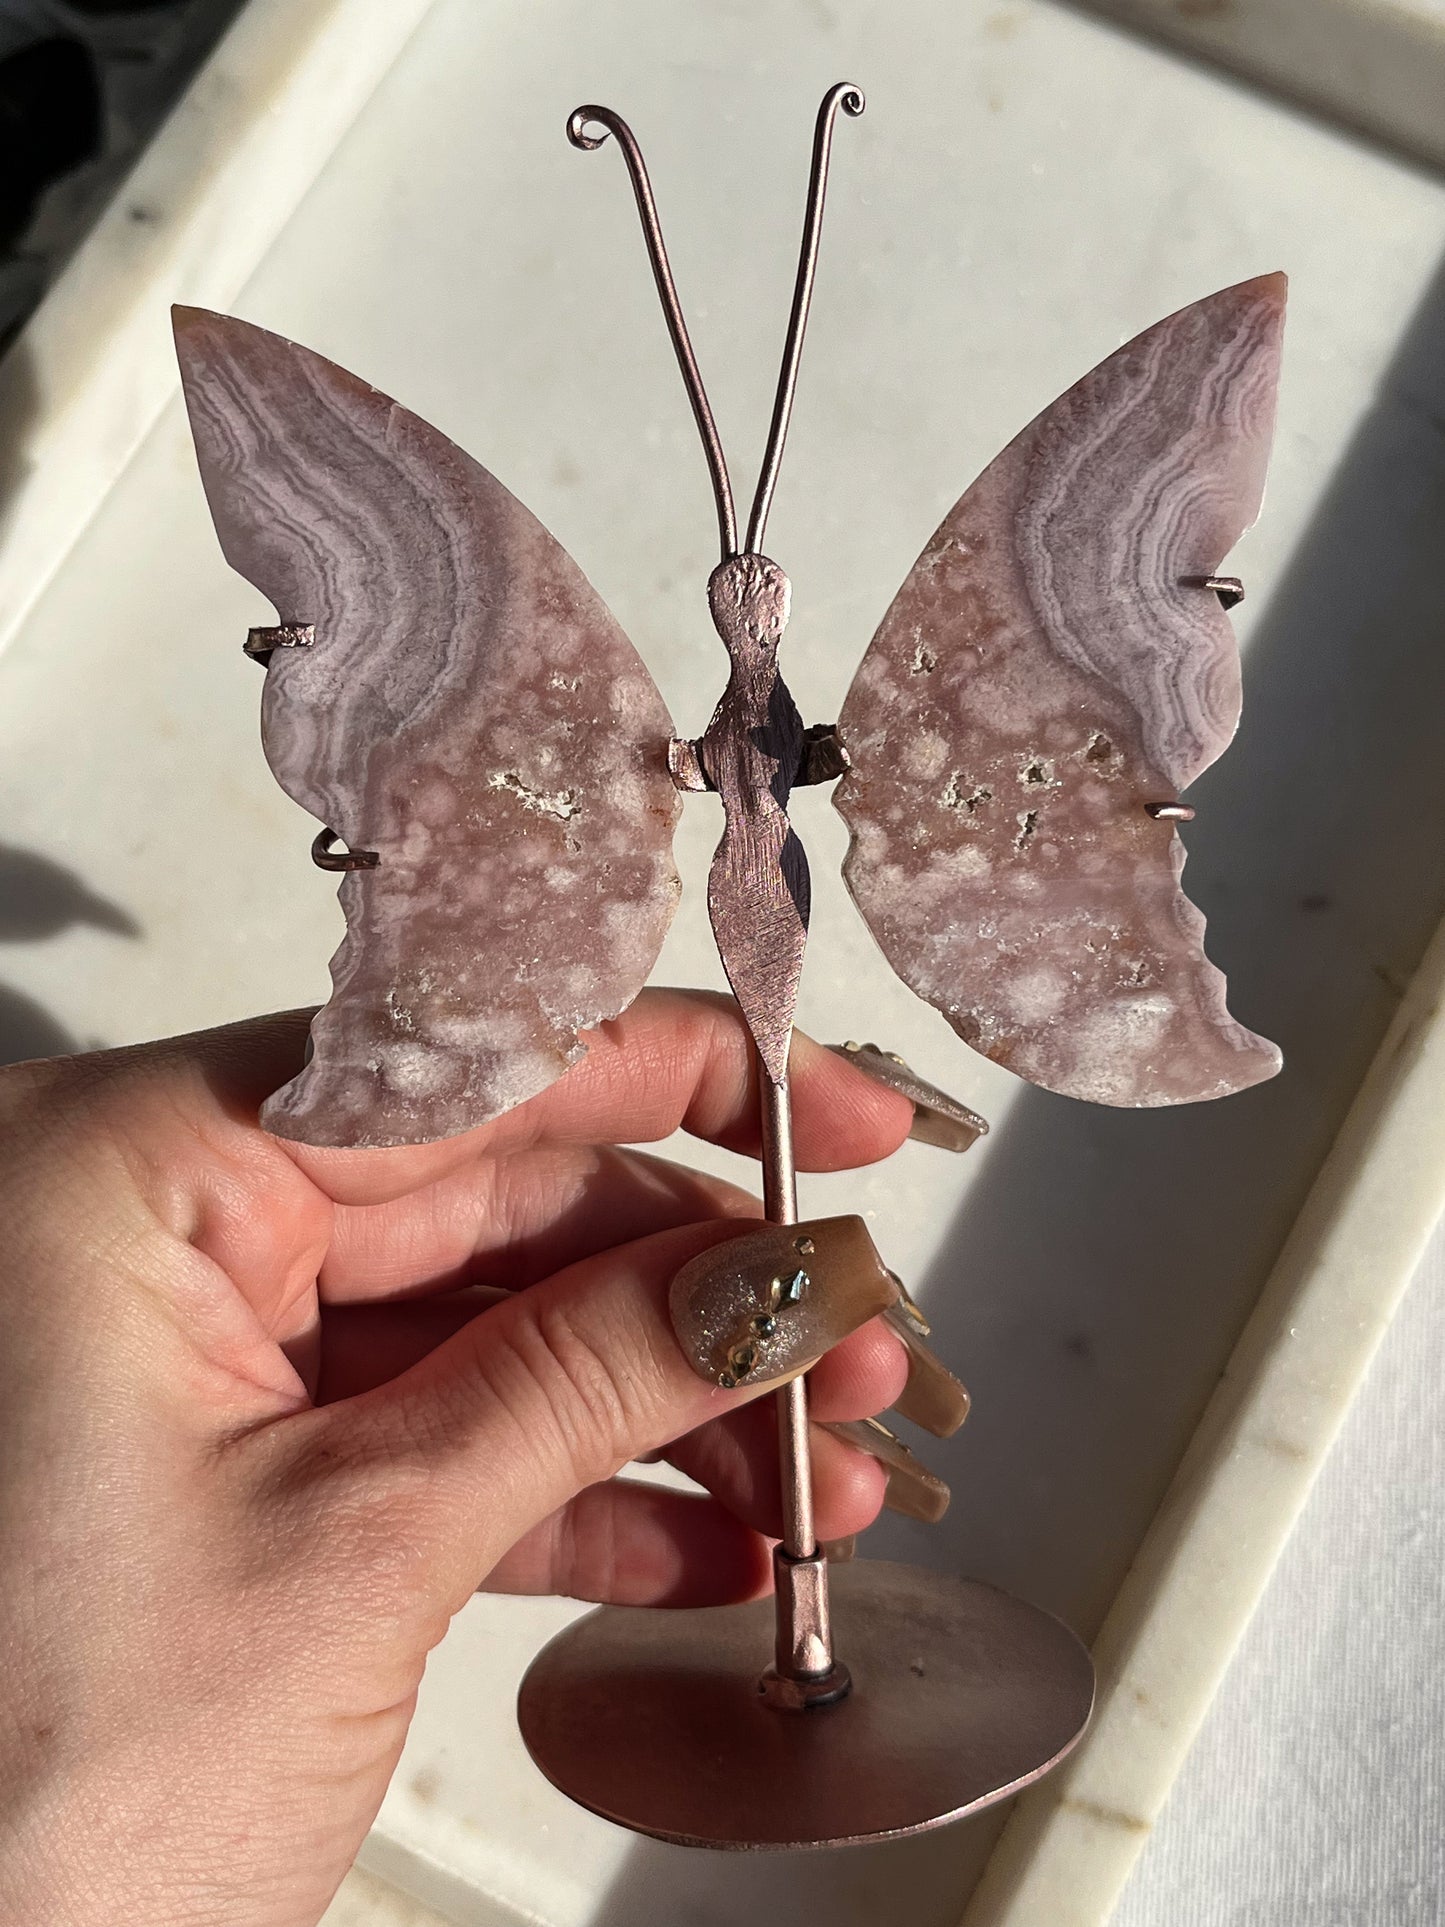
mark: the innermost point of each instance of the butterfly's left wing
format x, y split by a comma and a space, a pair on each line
468, 711
1052, 666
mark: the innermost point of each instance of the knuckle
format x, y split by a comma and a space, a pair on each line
594, 1385
587, 1399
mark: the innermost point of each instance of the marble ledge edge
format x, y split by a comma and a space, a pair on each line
1374, 67
84, 382
1206, 1559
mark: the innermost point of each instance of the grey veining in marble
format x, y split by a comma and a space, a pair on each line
1051, 666
469, 710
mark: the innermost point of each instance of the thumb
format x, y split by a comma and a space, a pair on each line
550, 1391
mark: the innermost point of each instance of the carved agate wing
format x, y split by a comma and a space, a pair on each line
1052, 666
469, 711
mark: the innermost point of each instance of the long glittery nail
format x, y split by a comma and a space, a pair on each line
933, 1397
937, 1118
767, 1305
912, 1489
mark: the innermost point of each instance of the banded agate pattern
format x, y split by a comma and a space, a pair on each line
470, 711
1050, 667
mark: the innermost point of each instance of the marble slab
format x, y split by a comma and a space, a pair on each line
986, 241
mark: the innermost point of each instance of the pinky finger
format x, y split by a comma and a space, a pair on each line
624, 1543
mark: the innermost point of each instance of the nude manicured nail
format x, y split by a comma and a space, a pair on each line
840, 1551
937, 1118
912, 1489
933, 1397
765, 1306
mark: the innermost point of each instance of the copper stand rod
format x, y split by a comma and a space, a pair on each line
804, 1672
780, 1203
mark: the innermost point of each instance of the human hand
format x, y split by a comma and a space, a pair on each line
257, 1446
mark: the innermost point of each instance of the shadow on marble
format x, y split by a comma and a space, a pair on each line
895, 1883
1093, 1283
40, 898
19, 405
1323, 80
28, 1030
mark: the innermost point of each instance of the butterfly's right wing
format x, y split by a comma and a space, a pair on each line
1053, 666
469, 710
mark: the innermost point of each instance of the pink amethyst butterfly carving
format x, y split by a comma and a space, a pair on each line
447, 694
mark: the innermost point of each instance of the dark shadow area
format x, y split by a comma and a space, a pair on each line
1329, 92
888, 1885
84, 85
38, 899
50, 124
1095, 1280
28, 1030
19, 403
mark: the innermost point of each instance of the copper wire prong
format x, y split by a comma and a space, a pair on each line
326, 856
1228, 588
684, 765
852, 101
613, 123
261, 644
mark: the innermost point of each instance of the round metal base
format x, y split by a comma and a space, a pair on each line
654, 1719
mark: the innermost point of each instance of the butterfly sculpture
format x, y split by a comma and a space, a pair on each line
450, 697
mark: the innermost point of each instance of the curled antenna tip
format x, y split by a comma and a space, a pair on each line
577, 127
848, 95
607, 121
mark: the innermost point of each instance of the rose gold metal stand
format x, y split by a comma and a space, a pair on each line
953, 1695
804, 1672
961, 1695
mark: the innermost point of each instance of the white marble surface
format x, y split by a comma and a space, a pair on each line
1315, 1795
1027, 189
1208, 1555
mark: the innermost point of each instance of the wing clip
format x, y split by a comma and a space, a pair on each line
326, 856
261, 644
1228, 588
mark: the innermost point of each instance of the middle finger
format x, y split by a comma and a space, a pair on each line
512, 1221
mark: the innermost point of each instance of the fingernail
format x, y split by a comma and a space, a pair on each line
767, 1305
840, 1551
937, 1118
933, 1397
912, 1489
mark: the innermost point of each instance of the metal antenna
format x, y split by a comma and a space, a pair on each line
613, 123
850, 98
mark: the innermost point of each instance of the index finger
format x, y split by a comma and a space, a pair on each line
676, 1060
